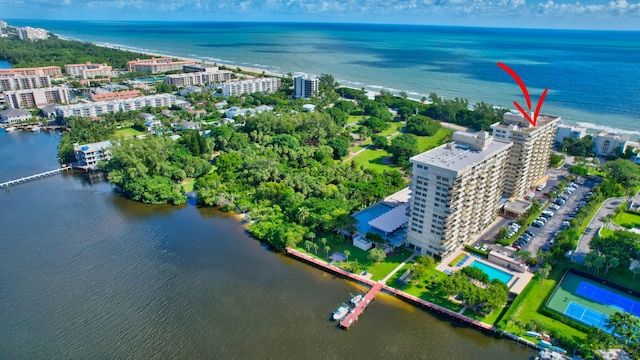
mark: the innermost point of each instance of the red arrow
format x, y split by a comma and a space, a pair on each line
518, 80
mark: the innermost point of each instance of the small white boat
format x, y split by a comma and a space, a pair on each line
10, 129
341, 313
533, 334
356, 299
35, 128
544, 343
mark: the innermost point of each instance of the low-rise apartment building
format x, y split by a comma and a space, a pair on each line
36, 98
52, 71
10, 82
88, 156
210, 75
88, 70
156, 65
107, 107
605, 144
264, 85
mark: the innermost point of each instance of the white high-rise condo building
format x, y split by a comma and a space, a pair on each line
305, 88
530, 155
456, 190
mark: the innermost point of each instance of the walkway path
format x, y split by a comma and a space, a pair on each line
384, 281
367, 147
607, 207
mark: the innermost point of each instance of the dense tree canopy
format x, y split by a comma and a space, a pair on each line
54, 51
403, 147
422, 126
149, 170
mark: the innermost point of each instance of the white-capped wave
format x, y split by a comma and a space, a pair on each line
608, 129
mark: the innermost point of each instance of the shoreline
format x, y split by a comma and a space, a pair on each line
589, 125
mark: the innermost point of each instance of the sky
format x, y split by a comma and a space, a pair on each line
559, 14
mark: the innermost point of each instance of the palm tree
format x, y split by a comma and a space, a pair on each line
520, 324
347, 253
311, 235
324, 241
308, 245
315, 248
326, 250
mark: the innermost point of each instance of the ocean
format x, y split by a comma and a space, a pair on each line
593, 77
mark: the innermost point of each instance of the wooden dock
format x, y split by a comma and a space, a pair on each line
7, 184
352, 317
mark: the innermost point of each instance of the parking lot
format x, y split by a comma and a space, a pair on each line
543, 235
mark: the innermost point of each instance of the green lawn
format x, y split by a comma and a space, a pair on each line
127, 133
187, 184
379, 271
606, 232
526, 305
354, 118
627, 219
429, 142
419, 289
393, 128
372, 159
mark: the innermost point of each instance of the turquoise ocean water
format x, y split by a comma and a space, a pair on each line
593, 76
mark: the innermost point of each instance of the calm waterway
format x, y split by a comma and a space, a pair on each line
85, 273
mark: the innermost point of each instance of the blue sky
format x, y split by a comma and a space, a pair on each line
576, 14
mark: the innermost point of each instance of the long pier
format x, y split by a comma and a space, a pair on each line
7, 184
378, 286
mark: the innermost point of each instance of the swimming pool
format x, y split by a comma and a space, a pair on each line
492, 272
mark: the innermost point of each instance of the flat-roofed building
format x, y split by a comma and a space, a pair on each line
107, 107
36, 98
210, 75
456, 189
23, 82
570, 131
305, 87
156, 65
605, 144
530, 155
264, 85
88, 156
88, 70
31, 34
52, 71
116, 95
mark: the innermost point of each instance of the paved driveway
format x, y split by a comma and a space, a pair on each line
542, 235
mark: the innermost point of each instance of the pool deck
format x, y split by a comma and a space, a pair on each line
515, 285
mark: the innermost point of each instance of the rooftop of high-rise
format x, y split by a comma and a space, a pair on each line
516, 121
466, 149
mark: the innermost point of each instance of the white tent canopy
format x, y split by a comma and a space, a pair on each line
391, 220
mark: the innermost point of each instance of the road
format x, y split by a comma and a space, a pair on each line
607, 207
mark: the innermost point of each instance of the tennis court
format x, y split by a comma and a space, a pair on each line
590, 302
596, 293
586, 315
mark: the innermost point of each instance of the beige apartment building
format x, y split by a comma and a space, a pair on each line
529, 157
52, 71
156, 65
210, 75
88, 70
36, 98
10, 82
456, 189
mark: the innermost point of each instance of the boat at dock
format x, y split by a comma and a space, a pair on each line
544, 343
356, 299
341, 312
10, 129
